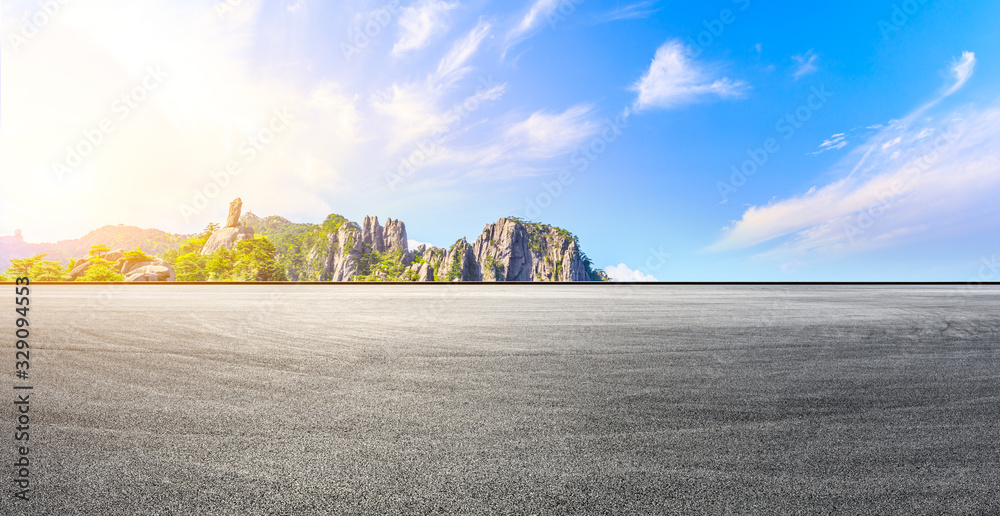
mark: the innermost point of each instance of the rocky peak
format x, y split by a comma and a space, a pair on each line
372, 234
235, 207
395, 235
232, 233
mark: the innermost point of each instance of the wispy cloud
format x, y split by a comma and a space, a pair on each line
454, 65
545, 135
806, 63
528, 141
674, 79
912, 177
633, 11
539, 11
835, 142
420, 22
418, 108
961, 71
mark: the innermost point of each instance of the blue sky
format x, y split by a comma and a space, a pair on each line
728, 140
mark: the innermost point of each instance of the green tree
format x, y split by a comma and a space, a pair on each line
37, 269
255, 261
192, 245
101, 269
137, 255
219, 266
98, 250
191, 267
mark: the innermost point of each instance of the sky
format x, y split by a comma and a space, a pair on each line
731, 140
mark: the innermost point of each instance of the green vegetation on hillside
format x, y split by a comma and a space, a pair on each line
101, 270
376, 266
301, 249
535, 243
252, 260
35, 268
187, 260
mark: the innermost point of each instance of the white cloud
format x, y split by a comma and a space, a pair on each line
420, 22
837, 141
418, 109
961, 71
807, 63
536, 15
896, 140
633, 11
412, 245
545, 135
221, 90
674, 79
913, 179
622, 272
537, 138
454, 65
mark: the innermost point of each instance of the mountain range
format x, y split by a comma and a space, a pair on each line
511, 249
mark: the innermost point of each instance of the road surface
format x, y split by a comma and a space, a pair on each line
548, 399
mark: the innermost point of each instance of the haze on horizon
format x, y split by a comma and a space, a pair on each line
729, 140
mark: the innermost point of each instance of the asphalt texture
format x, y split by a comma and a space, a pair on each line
516, 399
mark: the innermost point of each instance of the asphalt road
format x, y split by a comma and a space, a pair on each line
540, 399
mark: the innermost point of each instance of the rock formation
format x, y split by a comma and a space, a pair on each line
507, 250
140, 269
345, 250
233, 220
231, 234
372, 236
512, 250
394, 235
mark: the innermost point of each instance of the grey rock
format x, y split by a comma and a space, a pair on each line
372, 236
459, 264
235, 207
79, 270
395, 236
425, 273
344, 251
115, 255
157, 268
227, 237
511, 250
139, 277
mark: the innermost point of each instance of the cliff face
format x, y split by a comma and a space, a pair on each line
513, 250
341, 250
345, 250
